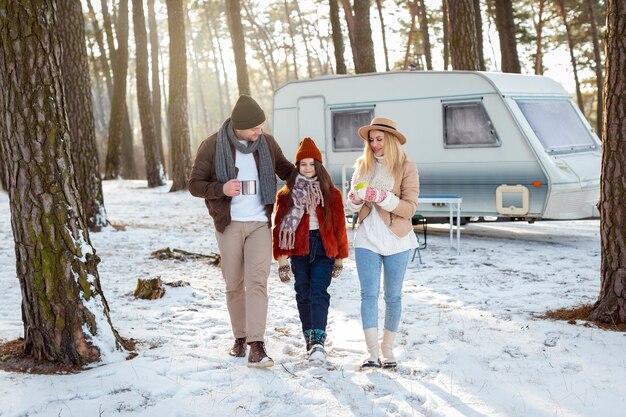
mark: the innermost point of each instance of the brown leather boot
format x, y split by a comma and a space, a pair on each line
258, 357
239, 348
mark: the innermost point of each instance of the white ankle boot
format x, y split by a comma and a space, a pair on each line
371, 341
388, 359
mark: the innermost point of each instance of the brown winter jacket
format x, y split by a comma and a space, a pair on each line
203, 181
407, 188
332, 230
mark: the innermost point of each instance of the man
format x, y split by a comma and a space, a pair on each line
240, 151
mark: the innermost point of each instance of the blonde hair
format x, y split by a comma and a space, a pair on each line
395, 157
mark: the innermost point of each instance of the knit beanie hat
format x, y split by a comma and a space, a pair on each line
308, 149
247, 113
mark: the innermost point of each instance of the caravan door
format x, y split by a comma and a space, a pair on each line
311, 121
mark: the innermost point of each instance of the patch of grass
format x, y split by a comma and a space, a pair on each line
574, 314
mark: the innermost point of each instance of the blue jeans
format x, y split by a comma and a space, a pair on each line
313, 274
368, 265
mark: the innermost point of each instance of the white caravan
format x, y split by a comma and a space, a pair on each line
510, 145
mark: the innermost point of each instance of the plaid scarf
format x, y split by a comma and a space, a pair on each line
306, 195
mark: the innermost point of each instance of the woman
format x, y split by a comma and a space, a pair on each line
310, 227
384, 191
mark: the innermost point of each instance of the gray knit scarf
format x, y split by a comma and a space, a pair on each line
225, 165
306, 195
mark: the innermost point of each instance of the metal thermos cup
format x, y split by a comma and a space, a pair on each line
248, 187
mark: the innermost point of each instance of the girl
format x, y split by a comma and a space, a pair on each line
310, 228
384, 191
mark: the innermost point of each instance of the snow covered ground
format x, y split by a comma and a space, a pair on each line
470, 344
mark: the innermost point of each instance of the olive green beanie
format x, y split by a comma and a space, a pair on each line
247, 113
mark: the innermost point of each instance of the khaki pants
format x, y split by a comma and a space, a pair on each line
246, 251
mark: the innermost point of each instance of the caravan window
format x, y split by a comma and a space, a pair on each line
467, 125
557, 125
345, 125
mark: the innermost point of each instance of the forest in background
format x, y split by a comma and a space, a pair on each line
287, 40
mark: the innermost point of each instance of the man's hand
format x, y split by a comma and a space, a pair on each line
232, 188
284, 269
337, 268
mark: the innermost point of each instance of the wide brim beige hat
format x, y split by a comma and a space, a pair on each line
384, 124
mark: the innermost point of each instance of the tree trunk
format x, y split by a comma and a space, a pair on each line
100, 104
446, 35
178, 119
347, 11
611, 304
539, 53
104, 62
233, 13
598, 64
198, 91
505, 23
366, 61
154, 164
156, 82
216, 36
293, 41
305, 38
409, 43
80, 114
478, 20
216, 67
265, 49
3, 173
423, 18
65, 313
461, 22
119, 112
570, 42
379, 6
338, 44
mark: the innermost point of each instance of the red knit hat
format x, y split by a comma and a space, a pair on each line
308, 149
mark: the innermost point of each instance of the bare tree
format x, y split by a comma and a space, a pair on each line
154, 164
338, 44
104, 62
233, 12
178, 119
125, 156
409, 43
539, 49
156, 82
423, 18
379, 6
63, 307
505, 23
598, 63
478, 19
113, 166
446, 35
213, 28
293, 39
305, 38
462, 31
611, 304
265, 48
365, 60
570, 42
80, 114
